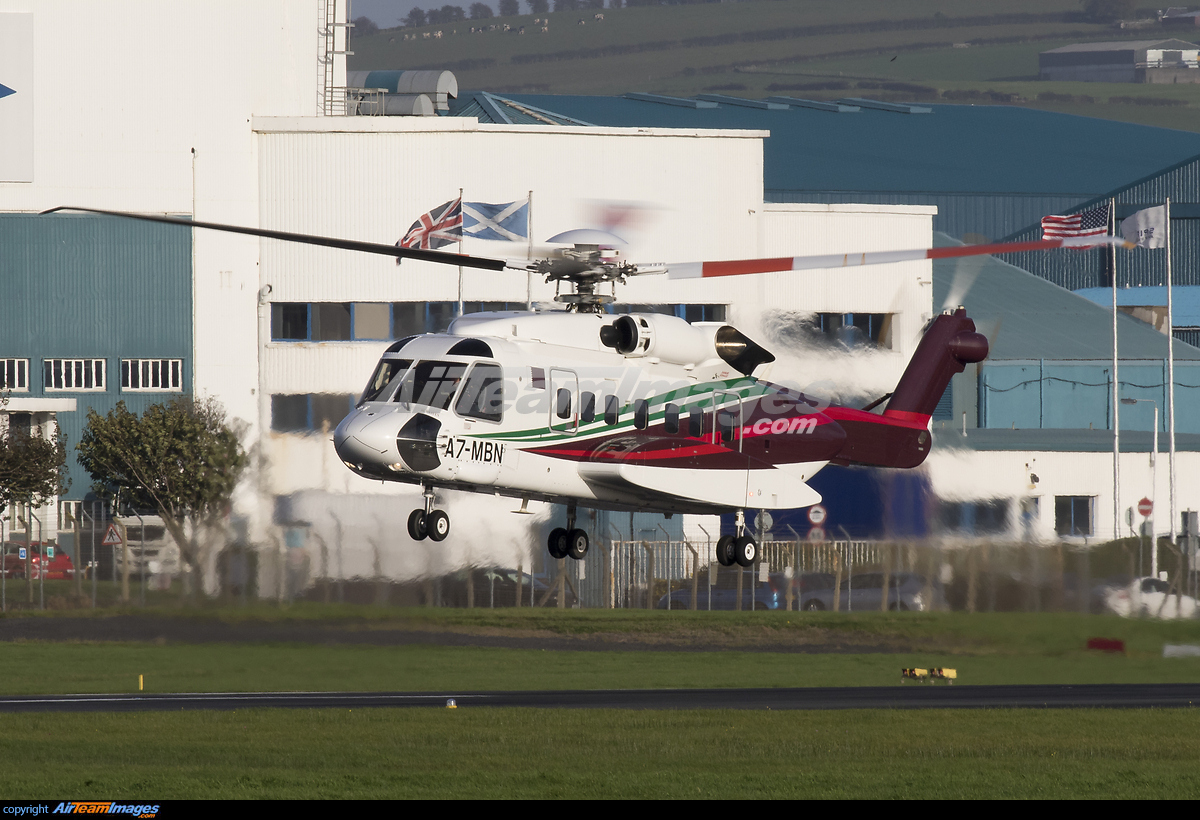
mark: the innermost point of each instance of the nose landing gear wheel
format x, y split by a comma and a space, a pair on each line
725, 550
577, 544
416, 525
745, 551
558, 543
437, 524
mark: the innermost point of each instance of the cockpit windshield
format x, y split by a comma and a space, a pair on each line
432, 384
385, 373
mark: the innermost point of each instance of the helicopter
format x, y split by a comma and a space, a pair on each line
637, 412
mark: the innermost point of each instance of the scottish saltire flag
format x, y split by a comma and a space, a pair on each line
507, 222
440, 227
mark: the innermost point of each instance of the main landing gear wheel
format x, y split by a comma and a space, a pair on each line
725, 550
577, 544
437, 525
558, 543
745, 551
416, 525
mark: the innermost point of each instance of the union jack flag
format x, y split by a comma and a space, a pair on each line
440, 227
1092, 222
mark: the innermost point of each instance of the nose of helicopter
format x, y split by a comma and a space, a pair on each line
353, 443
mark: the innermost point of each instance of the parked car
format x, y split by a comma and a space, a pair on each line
1148, 598
755, 594
57, 568
864, 592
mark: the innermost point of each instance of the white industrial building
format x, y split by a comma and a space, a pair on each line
188, 113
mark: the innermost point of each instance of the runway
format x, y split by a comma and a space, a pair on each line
914, 696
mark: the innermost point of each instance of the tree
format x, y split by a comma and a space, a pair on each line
481, 11
33, 470
415, 18
364, 26
452, 14
538, 6
509, 8
181, 459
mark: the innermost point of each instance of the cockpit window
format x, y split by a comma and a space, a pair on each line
482, 396
432, 384
385, 372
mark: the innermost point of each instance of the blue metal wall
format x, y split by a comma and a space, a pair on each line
1138, 267
94, 287
1049, 394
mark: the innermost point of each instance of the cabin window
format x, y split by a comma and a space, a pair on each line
612, 409
587, 407
726, 421
385, 372
562, 407
696, 422
482, 396
671, 419
641, 414
432, 384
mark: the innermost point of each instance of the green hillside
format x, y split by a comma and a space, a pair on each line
967, 51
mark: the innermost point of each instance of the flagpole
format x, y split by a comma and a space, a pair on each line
460, 250
529, 275
1116, 390
1170, 378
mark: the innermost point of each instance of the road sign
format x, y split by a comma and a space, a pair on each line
763, 521
816, 534
817, 515
112, 538
21, 553
1145, 507
49, 553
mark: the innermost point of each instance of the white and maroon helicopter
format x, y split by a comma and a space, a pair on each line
640, 412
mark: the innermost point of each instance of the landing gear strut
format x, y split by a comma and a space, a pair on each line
428, 523
738, 549
571, 541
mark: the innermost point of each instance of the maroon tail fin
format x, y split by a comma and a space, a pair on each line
949, 345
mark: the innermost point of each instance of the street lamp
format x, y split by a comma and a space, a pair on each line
1153, 485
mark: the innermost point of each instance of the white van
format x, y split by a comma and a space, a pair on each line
160, 554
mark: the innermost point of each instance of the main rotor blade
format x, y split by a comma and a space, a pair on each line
441, 257
737, 267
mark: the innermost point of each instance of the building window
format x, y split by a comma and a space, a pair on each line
309, 412
74, 374
368, 321
690, 313
854, 329
14, 375
152, 375
1073, 514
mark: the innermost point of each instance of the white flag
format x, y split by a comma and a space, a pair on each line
1146, 228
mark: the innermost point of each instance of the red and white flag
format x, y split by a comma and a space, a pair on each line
1092, 222
440, 227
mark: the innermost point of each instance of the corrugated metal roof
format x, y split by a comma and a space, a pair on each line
965, 149
1031, 318
488, 107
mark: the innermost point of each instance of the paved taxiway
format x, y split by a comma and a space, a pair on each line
914, 696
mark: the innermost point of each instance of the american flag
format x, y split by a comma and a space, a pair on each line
440, 227
1092, 222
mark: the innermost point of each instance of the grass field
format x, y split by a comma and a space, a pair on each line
509, 753
746, 48
490, 753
